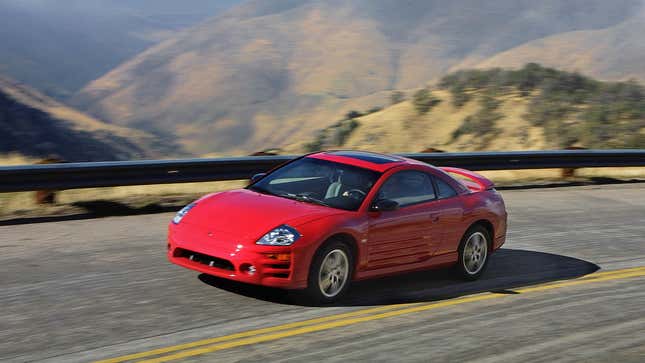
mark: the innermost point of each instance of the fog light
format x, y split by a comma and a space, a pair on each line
248, 269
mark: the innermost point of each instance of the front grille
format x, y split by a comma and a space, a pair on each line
204, 259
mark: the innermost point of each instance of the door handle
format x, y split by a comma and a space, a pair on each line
434, 217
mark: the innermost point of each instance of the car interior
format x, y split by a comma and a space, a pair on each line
338, 185
408, 187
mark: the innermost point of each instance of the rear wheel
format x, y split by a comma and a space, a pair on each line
330, 273
473, 252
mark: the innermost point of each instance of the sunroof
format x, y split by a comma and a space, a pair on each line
367, 156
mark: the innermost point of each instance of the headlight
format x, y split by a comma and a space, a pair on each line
182, 213
280, 236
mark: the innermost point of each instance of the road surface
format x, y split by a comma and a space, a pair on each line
569, 285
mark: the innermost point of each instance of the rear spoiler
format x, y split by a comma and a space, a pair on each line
473, 181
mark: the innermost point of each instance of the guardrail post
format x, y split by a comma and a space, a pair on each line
43, 197
570, 172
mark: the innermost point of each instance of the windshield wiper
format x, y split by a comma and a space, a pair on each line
305, 198
260, 190
298, 197
314, 200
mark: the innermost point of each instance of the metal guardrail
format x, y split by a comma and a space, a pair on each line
122, 173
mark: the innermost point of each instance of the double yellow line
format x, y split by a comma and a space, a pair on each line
255, 336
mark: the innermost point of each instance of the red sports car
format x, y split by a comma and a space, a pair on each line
325, 219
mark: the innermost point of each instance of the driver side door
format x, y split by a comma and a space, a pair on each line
404, 235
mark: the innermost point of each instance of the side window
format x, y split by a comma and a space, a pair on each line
407, 188
444, 189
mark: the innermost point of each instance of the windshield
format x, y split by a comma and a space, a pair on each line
320, 182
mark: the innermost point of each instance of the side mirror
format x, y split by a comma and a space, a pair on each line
384, 205
257, 177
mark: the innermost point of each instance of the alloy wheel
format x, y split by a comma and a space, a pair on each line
475, 253
333, 274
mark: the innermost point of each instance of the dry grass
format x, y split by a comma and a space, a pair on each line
136, 196
23, 203
15, 159
19, 204
515, 177
399, 128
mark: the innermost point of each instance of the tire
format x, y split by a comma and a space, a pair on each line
474, 252
330, 273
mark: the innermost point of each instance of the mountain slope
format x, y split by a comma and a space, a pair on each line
530, 108
59, 46
34, 125
615, 53
266, 73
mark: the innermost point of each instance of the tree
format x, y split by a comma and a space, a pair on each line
397, 97
353, 114
318, 143
373, 109
459, 95
423, 101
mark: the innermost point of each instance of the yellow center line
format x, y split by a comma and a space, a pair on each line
341, 320
314, 328
608, 277
611, 272
248, 333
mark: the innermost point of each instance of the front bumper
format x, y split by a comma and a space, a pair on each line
272, 266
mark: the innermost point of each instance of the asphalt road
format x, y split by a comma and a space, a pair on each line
86, 290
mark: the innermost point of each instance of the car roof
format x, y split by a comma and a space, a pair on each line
364, 159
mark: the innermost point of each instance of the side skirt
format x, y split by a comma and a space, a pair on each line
436, 262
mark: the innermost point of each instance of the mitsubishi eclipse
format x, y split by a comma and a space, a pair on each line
323, 220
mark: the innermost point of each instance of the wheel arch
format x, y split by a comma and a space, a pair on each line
488, 226
347, 239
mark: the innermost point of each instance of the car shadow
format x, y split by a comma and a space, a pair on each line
508, 269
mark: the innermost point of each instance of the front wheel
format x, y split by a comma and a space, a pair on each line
330, 273
473, 253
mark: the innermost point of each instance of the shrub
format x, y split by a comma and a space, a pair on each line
342, 130
332, 136
424, 101
483, 122
317, 144
459, 95
353, 114
570, 107
373, 109
397, 97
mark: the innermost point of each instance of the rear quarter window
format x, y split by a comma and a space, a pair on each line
408, 187
444, 190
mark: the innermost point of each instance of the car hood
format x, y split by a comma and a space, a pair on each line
249, 215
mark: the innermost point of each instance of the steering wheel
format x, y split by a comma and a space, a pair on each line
352, 193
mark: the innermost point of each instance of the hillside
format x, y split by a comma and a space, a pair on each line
267, 73
530, 108
59, 46
36, 126
614, 53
